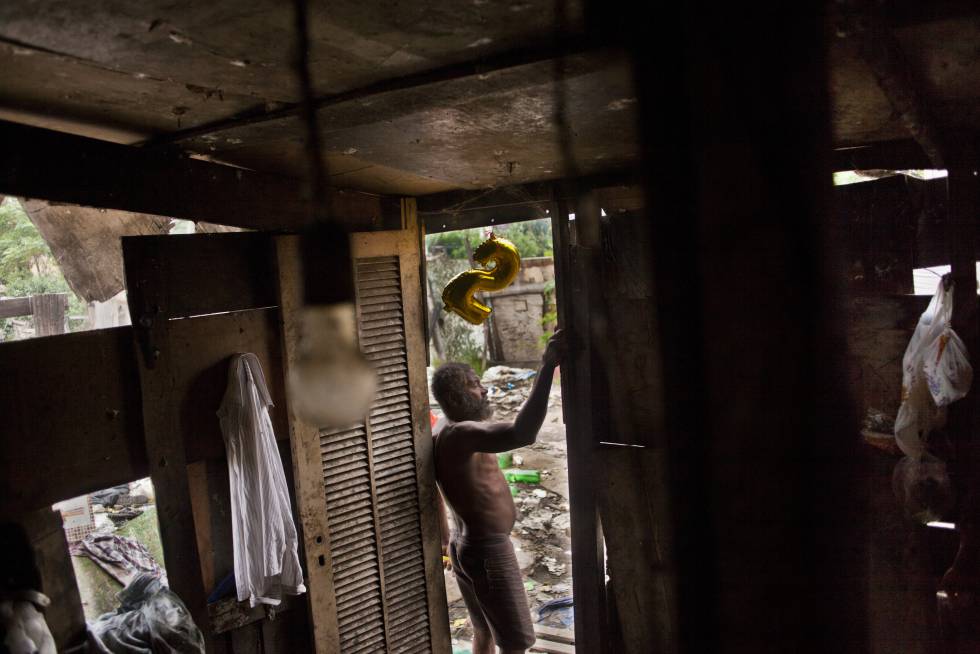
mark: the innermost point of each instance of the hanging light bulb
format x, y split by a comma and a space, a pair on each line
331, 382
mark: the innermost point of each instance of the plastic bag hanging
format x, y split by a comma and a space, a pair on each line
936, 372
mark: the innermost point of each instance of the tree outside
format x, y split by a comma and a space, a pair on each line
27, 266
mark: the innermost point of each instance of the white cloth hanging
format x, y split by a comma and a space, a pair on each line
263, 533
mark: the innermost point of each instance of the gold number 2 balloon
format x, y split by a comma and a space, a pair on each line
458, 294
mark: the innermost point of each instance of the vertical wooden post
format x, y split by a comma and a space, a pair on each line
963, 204
962, 238
49, 313
576, 267
161, 429
304, 443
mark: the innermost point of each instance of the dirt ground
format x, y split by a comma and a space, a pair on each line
541, 535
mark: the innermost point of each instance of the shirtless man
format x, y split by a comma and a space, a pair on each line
481, 554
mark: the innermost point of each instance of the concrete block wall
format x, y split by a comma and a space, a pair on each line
515, 327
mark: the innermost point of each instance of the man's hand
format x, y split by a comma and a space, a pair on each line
554, 352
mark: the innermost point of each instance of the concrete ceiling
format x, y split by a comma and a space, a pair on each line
136, 71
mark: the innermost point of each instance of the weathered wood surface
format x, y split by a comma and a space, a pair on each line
878, 331
64, 436
11, 307
58, 167
575, 294
455, 210
203, 274
85, 242
49, 313
632, 503
304, 442
229, 614
405, 243
162, 394
203, 348
887, 155
763, 466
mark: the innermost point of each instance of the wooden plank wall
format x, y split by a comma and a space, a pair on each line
878, 331
84, 412
71, 403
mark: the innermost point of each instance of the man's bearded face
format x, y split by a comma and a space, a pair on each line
471, 406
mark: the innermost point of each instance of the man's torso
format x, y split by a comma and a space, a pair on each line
474, 487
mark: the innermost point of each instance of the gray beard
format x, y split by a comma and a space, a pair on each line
476, 410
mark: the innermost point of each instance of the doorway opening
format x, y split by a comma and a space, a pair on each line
505, 352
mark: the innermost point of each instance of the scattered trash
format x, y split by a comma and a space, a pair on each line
150, 618
508, 388
879, 421
529, 584
560, 611
123, 558
554, 567
523, 476
540, 492
459, 622
518, 460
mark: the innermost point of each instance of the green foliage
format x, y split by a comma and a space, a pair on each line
550, 317
532, 238
22, 249
27, 266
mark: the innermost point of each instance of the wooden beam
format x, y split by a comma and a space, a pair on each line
11, 307
883, 54
964, 202
452, 210
43, 164
887, 155
579, 401
483, 66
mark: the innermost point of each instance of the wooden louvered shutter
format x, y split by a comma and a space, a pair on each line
383, 565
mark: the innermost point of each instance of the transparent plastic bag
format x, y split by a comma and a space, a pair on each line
150, 618
936, 372
947, 368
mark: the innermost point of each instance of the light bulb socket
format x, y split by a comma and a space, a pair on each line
328, 275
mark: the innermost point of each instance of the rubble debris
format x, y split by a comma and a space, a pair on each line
879, 421
123, 558
123, 516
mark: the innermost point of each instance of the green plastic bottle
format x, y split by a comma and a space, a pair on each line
505, 460
524, 476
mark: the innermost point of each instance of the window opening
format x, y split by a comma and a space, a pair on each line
113, 536
925, 281
61, 265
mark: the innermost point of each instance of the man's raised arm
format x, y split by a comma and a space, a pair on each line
504, 436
